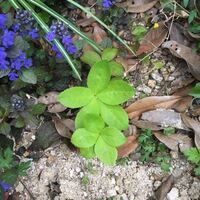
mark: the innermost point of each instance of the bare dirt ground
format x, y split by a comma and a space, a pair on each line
63, 175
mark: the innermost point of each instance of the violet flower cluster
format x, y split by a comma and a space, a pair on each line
58, 30
11, 64
25, 24
107, 3
5, 186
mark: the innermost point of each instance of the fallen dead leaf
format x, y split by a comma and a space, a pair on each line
56, 108
98, 33
165, 187
165, 118
195, 126
183, 104
138, 7
48, 98
129, 64
186, 53
153, 39
147, 124
127, 148
174, 141
151, 103
64, 127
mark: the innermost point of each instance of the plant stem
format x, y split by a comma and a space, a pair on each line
46, 29
101, 22
14, 4
65, 21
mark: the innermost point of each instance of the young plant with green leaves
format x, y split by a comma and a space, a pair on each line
10, 169
152, 150
101, 118
193, 155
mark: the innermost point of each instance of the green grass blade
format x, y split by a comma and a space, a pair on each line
65, 21
14, 4
46, 29
100, 22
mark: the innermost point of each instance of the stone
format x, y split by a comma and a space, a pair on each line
111, 193
157, 76
173, 194
151, 83
144, 88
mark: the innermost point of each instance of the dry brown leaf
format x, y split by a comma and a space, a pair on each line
186, 53
153, 39
195, 126
137, 7
98, 33
175, 141
127, 148
150, 103
129, 64
164, 188
165, 118
146, 124
56, 108
183, 104
48, 98
64, 127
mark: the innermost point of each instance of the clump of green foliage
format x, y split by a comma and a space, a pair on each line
101, 119
152, 150
193, 155
10, 169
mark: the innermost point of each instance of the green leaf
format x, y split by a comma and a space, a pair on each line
90, 57
92, 108
38, 109
5, 128
197, 171
192, 15
139, 32
114, 116
19, 122
185, 3
22, 168
6, 159
193, 155
87, 152
117, 92
99, 76
83, 138
105, 153
75, 97
113, 136
195, 92
28, 76
116, 68
109, 54
93, 123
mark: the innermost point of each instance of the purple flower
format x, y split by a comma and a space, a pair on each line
3, 62
50, 36
67, 40
71, 49
3, 20
107, 3
13, 76
15, 27
33, 34
28, 63
5, 186
8, 38
56, 50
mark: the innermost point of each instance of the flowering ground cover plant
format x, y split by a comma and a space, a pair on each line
12, 49
101, 119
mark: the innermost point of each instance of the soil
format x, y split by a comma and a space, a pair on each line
63, 175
